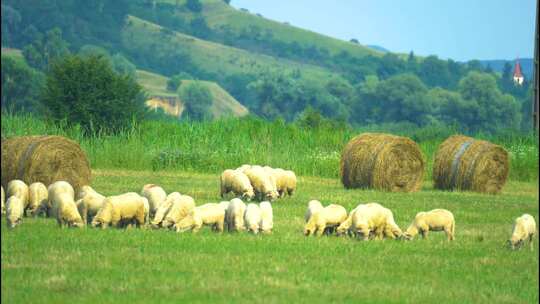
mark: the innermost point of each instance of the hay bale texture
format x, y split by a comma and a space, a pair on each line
382, 161
464, 163
44, 159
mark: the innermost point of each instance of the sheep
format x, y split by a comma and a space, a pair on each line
235, 215
182, 207
524, 228
67, 213
120, 209
272, 174
313, 206
15, 211
290, 182
208, 214
237, 182
19, 189
330, 216
368, 220
434, 220
146, 210
3, 201
391, 229
155, 195
82, 207
164, 208
262, 183
346, 224
252, 218
54, 190
267, 218
38, 196
243, 167
92, 200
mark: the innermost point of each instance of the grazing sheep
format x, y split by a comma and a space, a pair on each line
267, 218
313, 206
67, 213
262, 183
3, 201
146, 210
92, 200
155, 195
120, 209
235, 215
243, 167
56, 189
15, 210
38, 197
19, 189
82, 207
164, 208
369, 219
182, 207
237, 182
524, 229
208, 214
272, 174
391, 229
434, 220
330, 217
346, 224
252, 218
290, 182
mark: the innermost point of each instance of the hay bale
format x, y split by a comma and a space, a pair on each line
464, 163
382, 161
44, 159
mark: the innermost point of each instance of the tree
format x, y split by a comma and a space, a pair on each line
173, 83
434, 72
122, 65
197, 100
11, 18
44, 51
86, 91
194, 6
21, 85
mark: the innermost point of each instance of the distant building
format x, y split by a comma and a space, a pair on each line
518, 76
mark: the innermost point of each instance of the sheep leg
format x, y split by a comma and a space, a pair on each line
449, 235
320, 230
219, 226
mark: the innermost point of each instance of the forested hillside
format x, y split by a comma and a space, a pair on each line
272, 68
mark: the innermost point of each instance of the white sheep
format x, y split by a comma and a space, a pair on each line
155, 195
524, 229
146, 210
235, 215
55, 189
243, 167
368, 220
67, 213
237, 182
210, 214
92, 201
164, 208
3, 201
434, 220
19, 189
313, 206
267, 217
119, 210
261, 183
180, 209
328, 217
38, 197
252, 218
15, 211
346, 224
289, 182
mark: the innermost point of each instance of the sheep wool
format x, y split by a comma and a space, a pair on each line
524, 229
267, 218
252, 218
15, 210
38, 196
235, 215
434, 220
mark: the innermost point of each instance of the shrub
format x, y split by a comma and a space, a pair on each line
197, 100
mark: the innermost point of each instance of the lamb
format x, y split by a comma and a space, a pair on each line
524, 228
267, 218
252, 218
56, 189
92, 202
235, 215
120, 209
38, 197
237, 182
182, 207
330, 216
15, 211
208, 214
67, 213
19, 189
434, 220
262, 183
155, 195
313, 206
3, 201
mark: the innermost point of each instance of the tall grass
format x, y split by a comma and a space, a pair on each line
227, 143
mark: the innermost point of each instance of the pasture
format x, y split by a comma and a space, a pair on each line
41, 262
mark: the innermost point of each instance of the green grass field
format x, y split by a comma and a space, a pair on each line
42, 263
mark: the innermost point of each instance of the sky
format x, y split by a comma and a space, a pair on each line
458, 29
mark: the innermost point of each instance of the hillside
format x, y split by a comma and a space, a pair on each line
156, 86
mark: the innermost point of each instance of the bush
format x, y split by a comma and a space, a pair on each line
21, 85
86, 91
197, 99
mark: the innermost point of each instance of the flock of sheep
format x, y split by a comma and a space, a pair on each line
176, 211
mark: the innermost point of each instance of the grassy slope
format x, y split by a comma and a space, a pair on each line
223, 103
40, 261
209, 56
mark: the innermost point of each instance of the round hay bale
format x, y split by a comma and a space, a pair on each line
382, 161
464, 163
44, 159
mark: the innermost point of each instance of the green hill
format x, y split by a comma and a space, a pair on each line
155, 85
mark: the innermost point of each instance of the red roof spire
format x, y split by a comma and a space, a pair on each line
517, 69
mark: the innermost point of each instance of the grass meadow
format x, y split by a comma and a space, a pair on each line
45, 264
